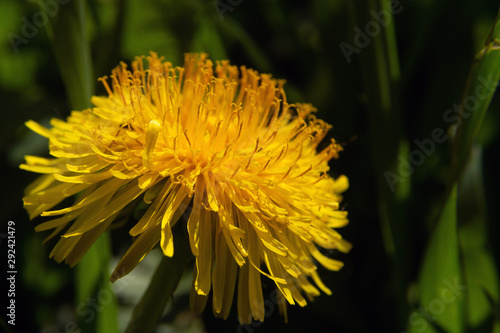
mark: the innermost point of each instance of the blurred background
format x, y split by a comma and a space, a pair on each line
388, 78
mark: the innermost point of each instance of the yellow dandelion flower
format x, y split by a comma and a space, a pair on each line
217, 144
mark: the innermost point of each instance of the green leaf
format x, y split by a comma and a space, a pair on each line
480, 273
480, 88
96, 300
480, 276
68, 36
441, 285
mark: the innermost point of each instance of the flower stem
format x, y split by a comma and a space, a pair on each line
149, 310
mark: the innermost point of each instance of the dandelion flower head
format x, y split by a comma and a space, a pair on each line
215, 147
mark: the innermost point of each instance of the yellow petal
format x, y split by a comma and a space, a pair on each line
41, 169
37, 128
90, 178
320, 283
193, 223
244, 310
341, 184
89, 197
167, 239
204, 259
331, 264
223, 278
154, 210
119, 200
87, 240
147, 180
137, 251
197, 301
35, 160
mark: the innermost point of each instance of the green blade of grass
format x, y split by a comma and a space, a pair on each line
67, 33
480, 88
479, 268
441, 287
379, 64
96, 300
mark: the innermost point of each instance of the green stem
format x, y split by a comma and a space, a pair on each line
67, 32
481, 85
381, 75
92, 285
149, 310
